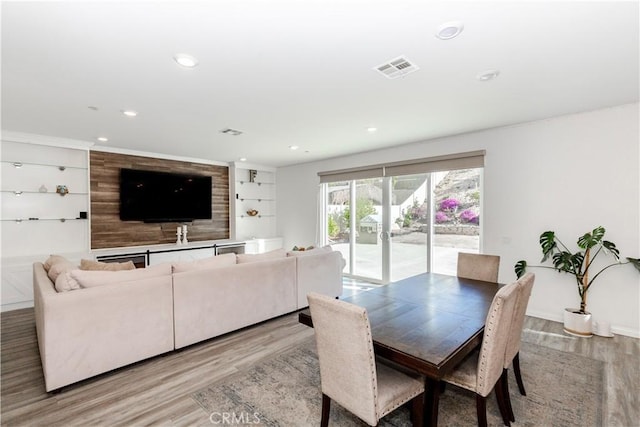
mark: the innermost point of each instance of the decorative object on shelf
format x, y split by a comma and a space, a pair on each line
252, 212
252, 175
62, 190
577, 320
43, 189
184, 235
179, 236
62, 168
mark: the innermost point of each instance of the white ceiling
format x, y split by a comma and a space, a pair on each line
301, 72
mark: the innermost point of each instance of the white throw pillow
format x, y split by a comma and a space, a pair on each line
65, 282
274, 254
90, 279
206, 263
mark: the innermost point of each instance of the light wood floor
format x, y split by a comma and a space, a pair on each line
157, 391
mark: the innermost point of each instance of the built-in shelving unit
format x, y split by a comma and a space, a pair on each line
36, 220
34, 215
254, 188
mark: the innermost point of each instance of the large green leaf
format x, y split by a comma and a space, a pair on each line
568, 262
548, 243
635, 262
520, 268
611, 247
589, 240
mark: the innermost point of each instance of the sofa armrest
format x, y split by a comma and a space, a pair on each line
321, 273
86, 332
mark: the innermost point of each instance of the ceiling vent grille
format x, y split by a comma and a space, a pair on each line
396, 67
229, 131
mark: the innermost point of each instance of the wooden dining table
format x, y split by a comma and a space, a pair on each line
427, 323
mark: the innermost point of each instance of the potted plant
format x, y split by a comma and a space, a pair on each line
580, 265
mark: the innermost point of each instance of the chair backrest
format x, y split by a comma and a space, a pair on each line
494, 341
525, 284
478, 266
345, 353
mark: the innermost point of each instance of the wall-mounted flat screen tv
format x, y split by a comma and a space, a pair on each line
151, 196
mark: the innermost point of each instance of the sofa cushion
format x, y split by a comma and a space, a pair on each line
274, 254
87, 264
206, 263
76, 279
314, 251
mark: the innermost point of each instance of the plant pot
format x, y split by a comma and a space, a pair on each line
577, 324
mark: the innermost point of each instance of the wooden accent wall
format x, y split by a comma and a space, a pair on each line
107, 231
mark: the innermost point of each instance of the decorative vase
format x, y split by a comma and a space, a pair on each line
577, 324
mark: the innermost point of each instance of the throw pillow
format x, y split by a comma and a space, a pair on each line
60, 267
53, 259
65, 282
276, 253
91, 279
206, 263
87, 264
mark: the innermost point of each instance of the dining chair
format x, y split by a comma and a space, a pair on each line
349, 374
512, 351
478, 266
481, 371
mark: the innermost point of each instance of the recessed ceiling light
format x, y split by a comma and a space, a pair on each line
293, 147
243, 159
102, 139
185, 60
130, 113
449, 30
488, 75
372, 129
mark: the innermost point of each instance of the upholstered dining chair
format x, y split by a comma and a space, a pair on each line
349, 374
478, 266
481, 371
512, 352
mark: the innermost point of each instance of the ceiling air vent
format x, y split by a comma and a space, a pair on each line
229, 131
397, 67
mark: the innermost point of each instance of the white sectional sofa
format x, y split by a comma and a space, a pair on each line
105, 324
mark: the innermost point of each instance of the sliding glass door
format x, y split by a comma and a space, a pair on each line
393, 227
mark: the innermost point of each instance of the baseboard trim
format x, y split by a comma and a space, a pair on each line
557, 317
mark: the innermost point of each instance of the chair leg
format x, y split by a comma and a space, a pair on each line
417, 410
481, 409
504, 412
516, 370
504, 382
326, 407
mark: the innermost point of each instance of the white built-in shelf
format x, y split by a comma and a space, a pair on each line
255, 182
257, 200
256, 216
21, 192
61, 168
32, 220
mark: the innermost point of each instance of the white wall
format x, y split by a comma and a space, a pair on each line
568, 174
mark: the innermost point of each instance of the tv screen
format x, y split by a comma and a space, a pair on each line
163, 197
